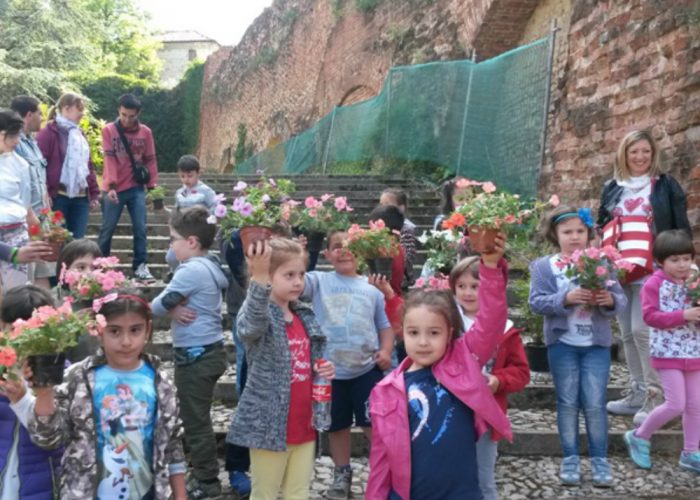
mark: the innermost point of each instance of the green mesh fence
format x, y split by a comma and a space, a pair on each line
481, 120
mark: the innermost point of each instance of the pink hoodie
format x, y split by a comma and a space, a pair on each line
459, 371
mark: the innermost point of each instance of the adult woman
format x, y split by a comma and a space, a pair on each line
70, 177
639, 188
15, 198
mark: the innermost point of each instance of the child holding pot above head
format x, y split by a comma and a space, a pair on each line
578, 337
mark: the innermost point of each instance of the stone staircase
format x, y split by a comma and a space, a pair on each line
532, 411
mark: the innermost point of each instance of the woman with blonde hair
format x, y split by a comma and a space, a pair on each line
639, 191
70, 176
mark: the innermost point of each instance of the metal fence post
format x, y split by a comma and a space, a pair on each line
328, 140
466, 112
547, 96
388, 112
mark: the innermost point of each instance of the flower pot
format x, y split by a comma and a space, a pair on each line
47, 369
56, 247
596, 293
537, 357
253, 234
482, 239
381, 265
158, 204
314, 241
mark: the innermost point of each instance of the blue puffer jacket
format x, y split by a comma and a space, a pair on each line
39, 469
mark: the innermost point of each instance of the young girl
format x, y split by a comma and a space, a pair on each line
77, 255
116, 413
675, 349
27, 470
578, 337
429, 412
15, 198
506, 371
284, 345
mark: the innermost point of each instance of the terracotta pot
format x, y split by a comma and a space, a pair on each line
596, 293
381, 266
537, 357
56, 247
158, 204
47, 369
482, 239
253, 234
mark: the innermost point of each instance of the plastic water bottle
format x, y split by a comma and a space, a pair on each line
321, 401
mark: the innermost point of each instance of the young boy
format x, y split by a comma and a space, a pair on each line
193, 301
360, 340
398, 198
193, 191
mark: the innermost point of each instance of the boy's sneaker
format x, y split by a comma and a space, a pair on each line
199, 490
630, 404
638, 449
570, 471
342, 479
602, 472
654, 398
240, 484
690, 460
143, 274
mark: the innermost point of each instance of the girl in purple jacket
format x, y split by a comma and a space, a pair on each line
428, 413
674, 347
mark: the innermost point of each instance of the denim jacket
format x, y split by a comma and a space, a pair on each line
546, 299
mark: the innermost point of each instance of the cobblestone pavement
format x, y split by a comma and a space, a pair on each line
521, 478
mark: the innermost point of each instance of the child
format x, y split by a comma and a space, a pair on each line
137, 454
359, 343
424, 432
27, 471
192, 193
15, 198
506, 371
453, 193
398, 198
578, 338
675, 349
195, 293
77, 255
283, 342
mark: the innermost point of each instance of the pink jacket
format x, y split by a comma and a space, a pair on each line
459, 371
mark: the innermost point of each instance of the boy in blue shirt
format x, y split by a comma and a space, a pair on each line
360, 341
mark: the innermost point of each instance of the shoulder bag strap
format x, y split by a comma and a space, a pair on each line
125, 142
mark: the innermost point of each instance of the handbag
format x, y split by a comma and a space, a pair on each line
631, 235
142, 175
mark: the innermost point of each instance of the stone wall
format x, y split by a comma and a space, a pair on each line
618, 65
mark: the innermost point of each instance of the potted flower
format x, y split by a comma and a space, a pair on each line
535, 348
320, 217
485, 214
256, 209
376, 246
86, 286
443, 249
52, 231
157, 197
593, 268
692, 289
43, 338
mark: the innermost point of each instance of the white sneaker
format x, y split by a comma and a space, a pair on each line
654, 398
630, 404
143, 274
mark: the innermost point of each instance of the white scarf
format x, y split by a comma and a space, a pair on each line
75, 165
635, 184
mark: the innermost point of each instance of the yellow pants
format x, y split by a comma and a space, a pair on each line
288, 470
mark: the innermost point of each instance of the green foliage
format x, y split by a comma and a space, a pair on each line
244, 149
93, 130
265, 57
337, 8
528, 319
366, 5
157, 193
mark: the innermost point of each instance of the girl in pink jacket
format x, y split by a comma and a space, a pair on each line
428, 413
674, 347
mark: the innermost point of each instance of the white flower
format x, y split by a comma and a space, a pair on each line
211, 219
423, 238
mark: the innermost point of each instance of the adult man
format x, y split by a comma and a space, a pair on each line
28, 108
119, 183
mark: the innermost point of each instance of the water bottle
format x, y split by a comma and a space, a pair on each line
321, 401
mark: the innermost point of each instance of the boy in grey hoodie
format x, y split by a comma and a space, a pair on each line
193, 301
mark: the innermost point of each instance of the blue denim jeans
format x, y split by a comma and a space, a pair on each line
76, 212
241, 364
135, 201
580, 377
486, 454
